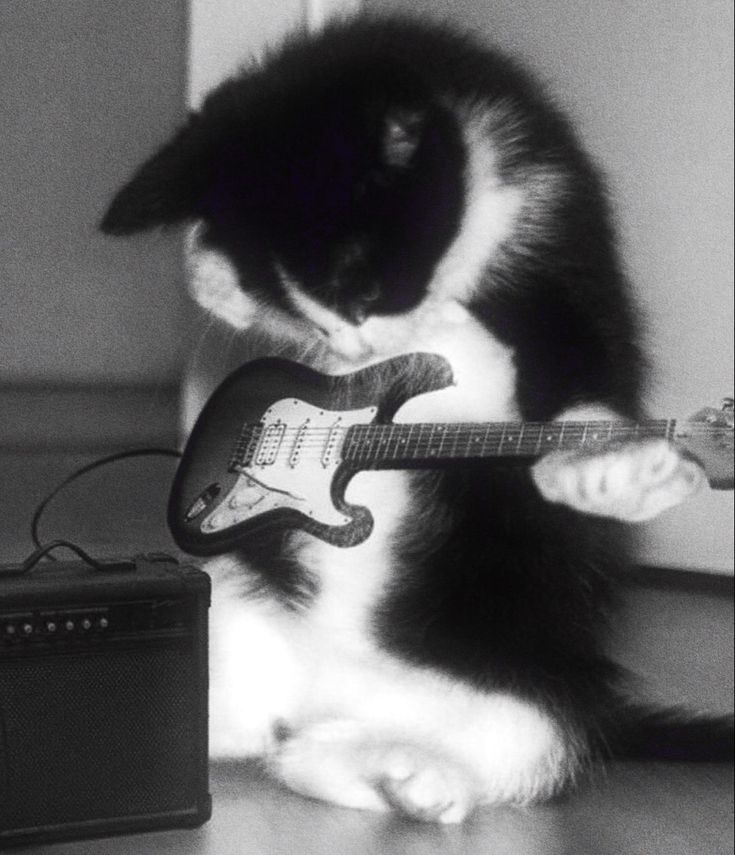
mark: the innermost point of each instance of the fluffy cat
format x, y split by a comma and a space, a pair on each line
386, 187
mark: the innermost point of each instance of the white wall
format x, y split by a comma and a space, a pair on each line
225, 34
650, 85
87, 89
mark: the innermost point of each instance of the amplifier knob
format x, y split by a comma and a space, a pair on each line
69, 626
103, 623
27, 628
10, 629
86, 623
51, 626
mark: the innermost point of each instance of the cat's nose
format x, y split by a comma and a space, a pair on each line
356, 314
357, 311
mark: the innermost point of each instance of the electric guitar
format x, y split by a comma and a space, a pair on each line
277, 443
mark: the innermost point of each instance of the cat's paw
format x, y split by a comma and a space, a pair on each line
633, 483
326, 760
342, 763
423, 786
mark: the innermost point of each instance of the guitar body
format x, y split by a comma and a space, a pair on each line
277, 444
234, 481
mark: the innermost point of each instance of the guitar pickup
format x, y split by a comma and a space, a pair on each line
270, 443
336, 432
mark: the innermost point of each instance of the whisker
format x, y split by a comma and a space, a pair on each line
210, 321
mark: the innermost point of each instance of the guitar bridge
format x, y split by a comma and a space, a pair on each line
244, 450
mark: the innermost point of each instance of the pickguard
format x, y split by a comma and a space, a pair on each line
293, 466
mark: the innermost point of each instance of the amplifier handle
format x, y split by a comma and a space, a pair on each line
42, 551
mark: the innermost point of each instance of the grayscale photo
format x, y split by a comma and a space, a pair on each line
366, 427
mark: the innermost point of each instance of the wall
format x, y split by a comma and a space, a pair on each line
225, 34
650, 86
87, 89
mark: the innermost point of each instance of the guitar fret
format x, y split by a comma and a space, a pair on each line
395, 434
453, 451
539, 449
483, 445
519, 444
416, 440
502, 439
388, 439
400, 441
428, 449
383, 443
442, 436
353, 443
366, 445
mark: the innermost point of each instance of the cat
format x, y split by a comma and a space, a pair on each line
382, 187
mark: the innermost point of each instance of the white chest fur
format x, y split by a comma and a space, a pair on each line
352, 580
320, 666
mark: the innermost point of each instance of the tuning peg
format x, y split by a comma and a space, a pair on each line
728, 405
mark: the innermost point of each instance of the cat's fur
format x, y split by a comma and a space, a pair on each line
387, 187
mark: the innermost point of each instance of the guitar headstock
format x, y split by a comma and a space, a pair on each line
708, 437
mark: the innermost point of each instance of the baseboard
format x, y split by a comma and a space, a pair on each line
34, 417
681, 579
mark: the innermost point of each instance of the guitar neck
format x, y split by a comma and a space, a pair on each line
397, 445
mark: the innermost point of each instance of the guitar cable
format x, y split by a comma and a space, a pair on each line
43, 551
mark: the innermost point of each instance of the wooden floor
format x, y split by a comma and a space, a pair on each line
679, 642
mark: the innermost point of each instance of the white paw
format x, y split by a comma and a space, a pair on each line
338, 762
633, 483
424, 786
326, 761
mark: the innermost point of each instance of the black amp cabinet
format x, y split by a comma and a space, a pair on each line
103, 699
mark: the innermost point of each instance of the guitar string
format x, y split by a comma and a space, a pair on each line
380, 437
378, 433
617, 426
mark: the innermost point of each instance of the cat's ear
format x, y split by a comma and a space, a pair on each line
402, 135
166, 189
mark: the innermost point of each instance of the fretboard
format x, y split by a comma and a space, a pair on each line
375, 445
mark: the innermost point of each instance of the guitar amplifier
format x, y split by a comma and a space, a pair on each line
103, 699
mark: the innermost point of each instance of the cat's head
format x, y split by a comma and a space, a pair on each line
327, 176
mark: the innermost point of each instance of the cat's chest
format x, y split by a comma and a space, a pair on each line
483, 369
352, 581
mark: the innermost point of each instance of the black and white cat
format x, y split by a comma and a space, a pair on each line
386, 187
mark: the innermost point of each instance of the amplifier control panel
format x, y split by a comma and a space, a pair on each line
90, 623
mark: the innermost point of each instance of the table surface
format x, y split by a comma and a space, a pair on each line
638, 809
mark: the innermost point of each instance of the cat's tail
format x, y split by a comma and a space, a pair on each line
645, 733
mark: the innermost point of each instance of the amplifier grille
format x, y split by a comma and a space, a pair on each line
98, 734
